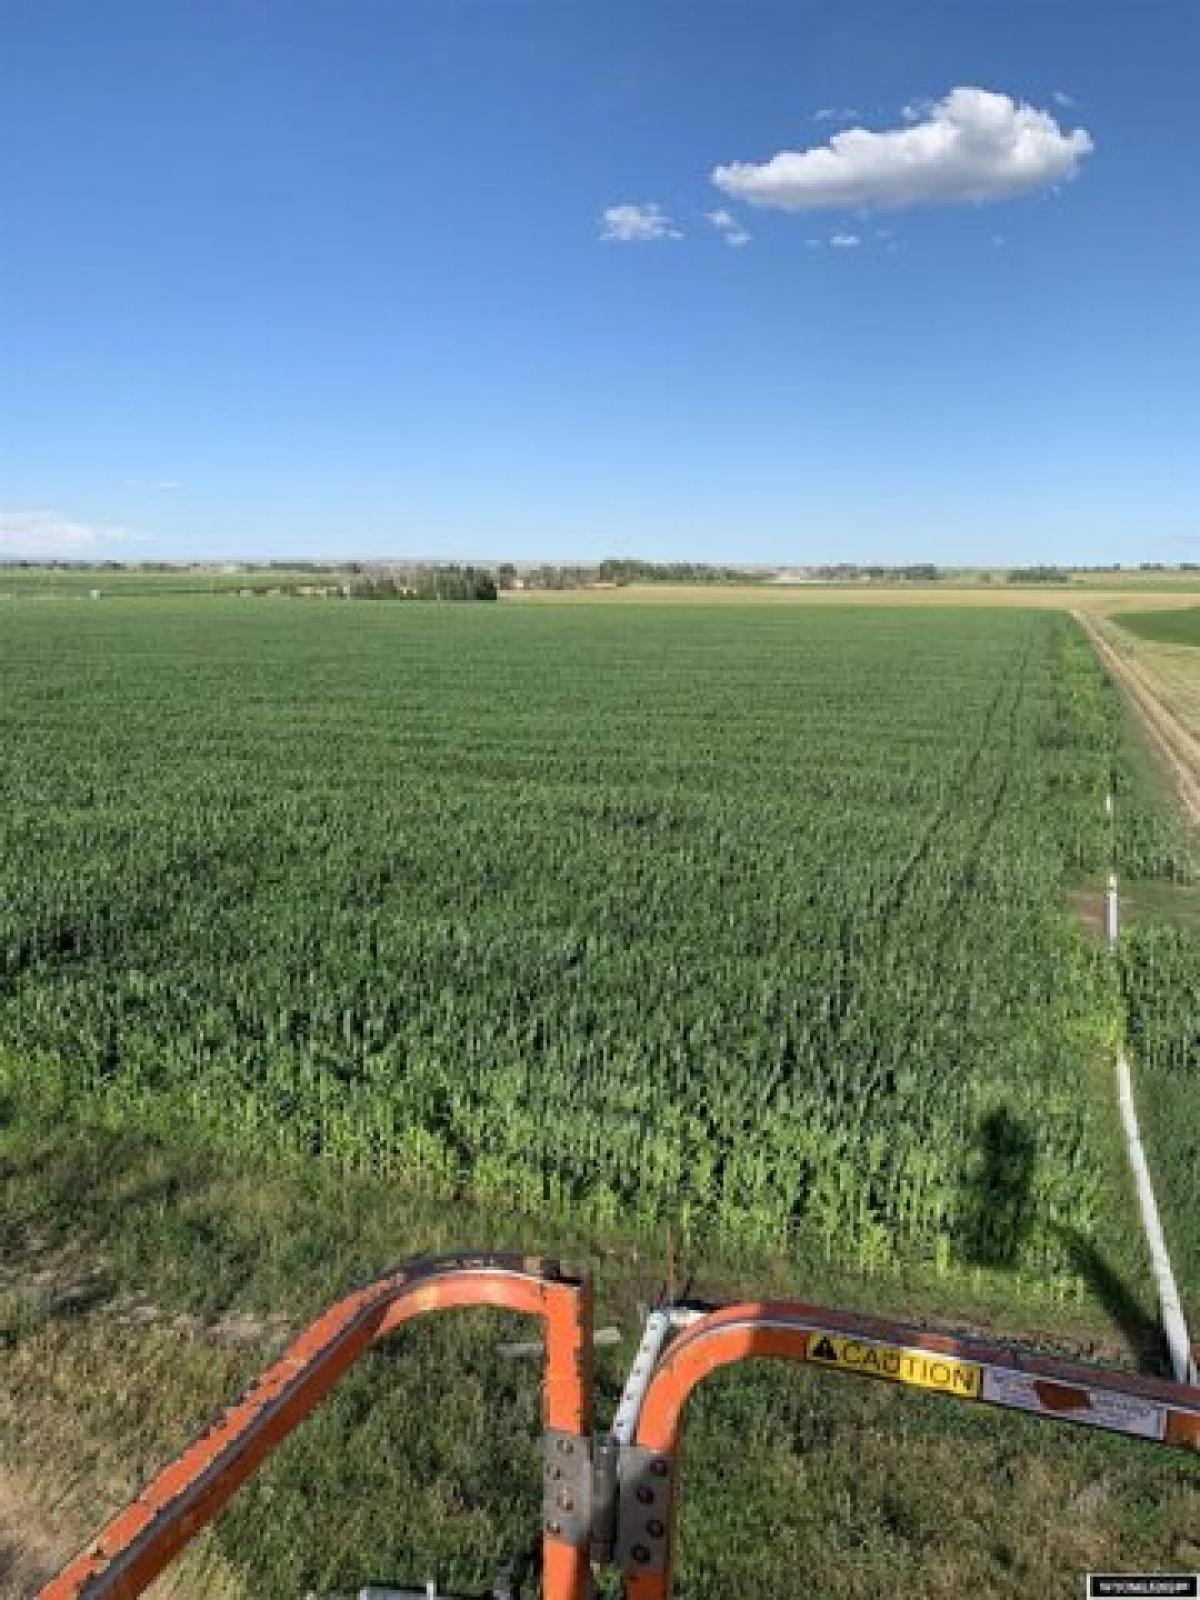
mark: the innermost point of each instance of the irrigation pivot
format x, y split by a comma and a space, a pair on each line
609, 1499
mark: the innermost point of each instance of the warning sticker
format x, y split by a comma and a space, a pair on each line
1098, 1408
920, 1368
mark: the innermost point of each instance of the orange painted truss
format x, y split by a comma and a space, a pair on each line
141, 1540
608, 1498
971, 1369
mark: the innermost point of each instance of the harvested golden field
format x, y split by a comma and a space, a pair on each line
1043, 598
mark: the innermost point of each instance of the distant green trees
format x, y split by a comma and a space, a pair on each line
1039, 575
851, 572
626, 569
425, 583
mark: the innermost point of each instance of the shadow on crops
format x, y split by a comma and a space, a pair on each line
1141, 1332
999, 1215
997, 1211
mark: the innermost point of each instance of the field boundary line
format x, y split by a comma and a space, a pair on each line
1176, 745
1162, 724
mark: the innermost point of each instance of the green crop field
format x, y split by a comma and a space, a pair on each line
331, 932
748, 923
1166, 627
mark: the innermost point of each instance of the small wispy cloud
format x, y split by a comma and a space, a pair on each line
972, 145
845, 241
729, 227
26, 535
159, 485
637, 224
835, 114
1062, 98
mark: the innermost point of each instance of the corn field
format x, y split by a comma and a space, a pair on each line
750, 921
1160, 975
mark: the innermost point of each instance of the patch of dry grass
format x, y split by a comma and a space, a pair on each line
89, 1408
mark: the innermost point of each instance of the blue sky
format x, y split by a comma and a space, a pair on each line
329, 279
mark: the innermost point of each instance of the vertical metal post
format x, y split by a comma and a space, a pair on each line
1112, 912
567, 1408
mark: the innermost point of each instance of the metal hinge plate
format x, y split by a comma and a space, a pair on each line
567, 1488
645, 1509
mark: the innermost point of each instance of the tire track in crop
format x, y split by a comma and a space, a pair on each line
904, 883
985, 775
993, 811
842, 996
960, 785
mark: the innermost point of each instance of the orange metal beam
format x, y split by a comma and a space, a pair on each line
142, 1539
996, 1375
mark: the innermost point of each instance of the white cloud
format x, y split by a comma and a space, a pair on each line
916, 110
29, 534
728, 225
160, 485
638, 224
972, 145
844, 241
1062, 98
835, 114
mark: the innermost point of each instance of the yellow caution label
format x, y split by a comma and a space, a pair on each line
920, 1368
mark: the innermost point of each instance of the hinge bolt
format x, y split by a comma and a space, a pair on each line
646, 1495
640, 1553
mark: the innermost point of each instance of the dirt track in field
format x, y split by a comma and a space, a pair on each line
1178, 748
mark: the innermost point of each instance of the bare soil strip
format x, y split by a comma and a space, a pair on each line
1179, 750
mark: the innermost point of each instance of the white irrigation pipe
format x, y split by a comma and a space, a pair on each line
1174, 1326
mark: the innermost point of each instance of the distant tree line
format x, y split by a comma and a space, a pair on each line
850, 572
425, 583
624, 569
1039, 575
621, 570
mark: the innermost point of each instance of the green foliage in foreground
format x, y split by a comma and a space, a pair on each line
745, 922
1168, 627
